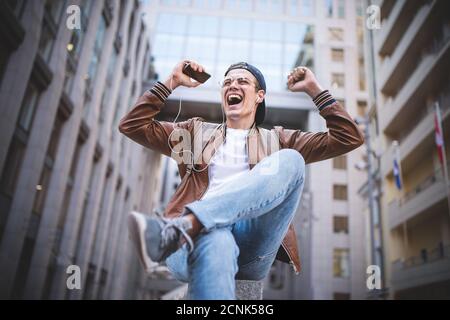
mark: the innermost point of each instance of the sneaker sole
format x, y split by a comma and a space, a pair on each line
136, 228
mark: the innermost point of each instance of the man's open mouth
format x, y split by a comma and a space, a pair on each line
233, 99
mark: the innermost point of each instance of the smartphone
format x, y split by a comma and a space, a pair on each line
199, 76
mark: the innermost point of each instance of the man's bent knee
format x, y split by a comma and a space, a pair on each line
292, 162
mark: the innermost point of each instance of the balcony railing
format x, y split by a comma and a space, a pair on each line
426, 183
426, 256
437, 175
427, 267
416, 201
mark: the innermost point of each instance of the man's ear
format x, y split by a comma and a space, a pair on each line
261, 95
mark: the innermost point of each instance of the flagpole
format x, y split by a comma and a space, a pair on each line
444, 156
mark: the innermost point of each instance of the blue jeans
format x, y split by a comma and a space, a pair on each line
243, 228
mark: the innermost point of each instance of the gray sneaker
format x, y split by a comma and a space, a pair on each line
157, 238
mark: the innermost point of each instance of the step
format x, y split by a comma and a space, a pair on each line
245, 290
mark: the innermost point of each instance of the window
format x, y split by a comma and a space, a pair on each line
64, 209
263, 6
196, 26
359, 9
4, 57
69, 186
361, 71
116, 115
307, 8
337, 80
178, 3
88, 195
101, 220
236, 28
211, 4
52, 15
74, 47
292, 8
44, 181
170, 23
76, 40
340, 162
16, 152
23, 268
95, 62
276, 6
336, 34
55, 9
107, 90
46, 41
328, 8
18, 144
341, 263
9, 178
337, 55
95, 59
339, 192
102, 283
341, 9
41, 190
268, 31
13, 162
362, 108
340, 224
92, 269
28, 108
69, 76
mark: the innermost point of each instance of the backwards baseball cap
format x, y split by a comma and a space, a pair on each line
261, 110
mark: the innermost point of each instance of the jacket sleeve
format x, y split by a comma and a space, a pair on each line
343, 134
140, 126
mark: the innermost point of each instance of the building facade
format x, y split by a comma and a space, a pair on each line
276, 36
68, 176
411, 67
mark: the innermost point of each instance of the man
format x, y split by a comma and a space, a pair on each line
230, 217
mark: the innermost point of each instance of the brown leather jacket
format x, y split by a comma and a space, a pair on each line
139, 125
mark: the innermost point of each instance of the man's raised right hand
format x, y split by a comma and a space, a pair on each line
178, 78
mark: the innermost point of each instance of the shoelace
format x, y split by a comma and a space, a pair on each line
167, 235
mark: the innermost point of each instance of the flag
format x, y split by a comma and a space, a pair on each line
397, 172
398, 180
438, 134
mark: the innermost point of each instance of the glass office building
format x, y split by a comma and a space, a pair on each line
274, 46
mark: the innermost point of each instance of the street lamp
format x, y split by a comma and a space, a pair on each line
372, 192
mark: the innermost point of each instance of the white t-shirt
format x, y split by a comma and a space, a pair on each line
228, 162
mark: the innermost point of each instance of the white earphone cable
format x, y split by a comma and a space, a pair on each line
182, 151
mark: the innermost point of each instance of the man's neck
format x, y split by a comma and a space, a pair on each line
239, 124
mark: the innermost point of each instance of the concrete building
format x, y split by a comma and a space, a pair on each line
277, 36
411, 66
67, 175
